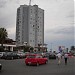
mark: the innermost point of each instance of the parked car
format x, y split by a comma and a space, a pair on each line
46, 54
26, 54
10, 55
74, 54
0, 66
52, 56
1, 54
21, 55
4, 55
35, 59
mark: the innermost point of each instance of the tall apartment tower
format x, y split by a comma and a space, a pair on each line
30, 25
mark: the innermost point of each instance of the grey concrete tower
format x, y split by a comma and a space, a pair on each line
30, 25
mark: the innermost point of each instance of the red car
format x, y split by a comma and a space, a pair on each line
35, 59
69, 54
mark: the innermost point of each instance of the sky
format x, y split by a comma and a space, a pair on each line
58, 20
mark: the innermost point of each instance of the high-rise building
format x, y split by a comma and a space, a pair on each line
30, 25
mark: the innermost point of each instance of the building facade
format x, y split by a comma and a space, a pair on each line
8, 45
30, 25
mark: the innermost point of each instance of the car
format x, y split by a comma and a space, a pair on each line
21, 55
52, 56
74, 54
35, 59
26, 54
1, 54
0, 66
4, 55
46, 54
10, 55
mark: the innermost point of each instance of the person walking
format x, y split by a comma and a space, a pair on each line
59, 56
65, 57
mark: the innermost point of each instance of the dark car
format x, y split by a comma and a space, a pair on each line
52, 56
10, 55
21, 55
0, 66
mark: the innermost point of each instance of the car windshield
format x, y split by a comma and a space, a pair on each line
31, 56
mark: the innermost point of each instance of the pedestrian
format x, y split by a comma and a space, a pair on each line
65, 57
59, 56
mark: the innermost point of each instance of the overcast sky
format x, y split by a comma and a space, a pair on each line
58, 20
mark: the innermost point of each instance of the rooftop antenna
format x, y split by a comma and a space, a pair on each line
30, 2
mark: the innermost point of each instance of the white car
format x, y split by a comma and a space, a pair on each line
1, 54
21, 55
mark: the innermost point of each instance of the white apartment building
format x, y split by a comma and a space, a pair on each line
30, 25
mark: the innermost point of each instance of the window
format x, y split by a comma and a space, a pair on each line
30, 40
38, 30
33, 25
30, 33
31, 11
31, 18
40, 42
38, 26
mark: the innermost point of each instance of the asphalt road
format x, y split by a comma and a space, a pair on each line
18, 67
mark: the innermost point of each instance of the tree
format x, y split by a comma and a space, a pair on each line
31, 49
26, 48
3, 36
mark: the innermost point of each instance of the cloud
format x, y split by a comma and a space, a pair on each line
11, 32
3, 3
62, 33
57, 43
66, 30
58, 17
8, 16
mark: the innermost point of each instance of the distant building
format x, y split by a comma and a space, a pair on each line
9, 45
30, 25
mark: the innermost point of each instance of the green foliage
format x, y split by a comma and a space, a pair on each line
1, 49
3, 36
26, 48
31, 48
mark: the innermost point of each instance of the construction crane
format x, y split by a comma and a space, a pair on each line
30, 2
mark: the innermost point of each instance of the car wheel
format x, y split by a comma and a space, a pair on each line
37, 64
46, 62
0, 67
18, 57
12, 58
27, 64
